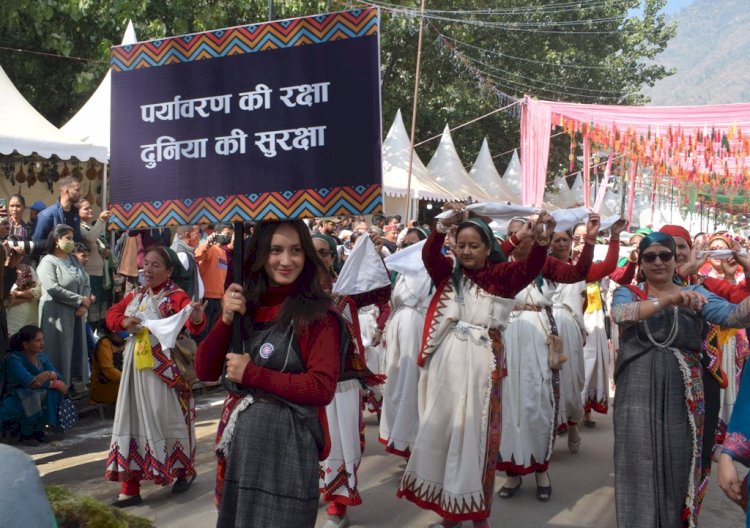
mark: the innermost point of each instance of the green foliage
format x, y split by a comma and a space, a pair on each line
78, 511
569, 65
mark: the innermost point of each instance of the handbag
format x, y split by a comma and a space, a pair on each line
66, 413
183, 355
555, 356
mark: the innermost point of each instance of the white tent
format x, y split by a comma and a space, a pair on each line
91, 123
449, 171
512, 175
26, 131
484, 173
396, 151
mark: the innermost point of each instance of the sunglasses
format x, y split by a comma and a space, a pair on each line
665, 256
325, 252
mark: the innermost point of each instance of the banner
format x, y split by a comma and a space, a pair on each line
273, 120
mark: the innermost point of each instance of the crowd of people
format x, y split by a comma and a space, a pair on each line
475, 357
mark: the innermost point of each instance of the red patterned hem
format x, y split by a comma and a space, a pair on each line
593, 405
393, 451
448, 516
340, 499
522, 470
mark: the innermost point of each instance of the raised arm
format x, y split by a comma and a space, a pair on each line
438, 265
559, 271
623, 275
599, 270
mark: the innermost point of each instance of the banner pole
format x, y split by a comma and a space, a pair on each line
414, 113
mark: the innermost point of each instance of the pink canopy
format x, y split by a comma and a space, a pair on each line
687, 143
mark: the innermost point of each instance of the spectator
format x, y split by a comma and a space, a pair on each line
378, 220
63, 211
106, 366
36, 208
185, 241
66, 295
329, 226
211, 257
23, 301
18, 228
34, 388
97, 251
361, 228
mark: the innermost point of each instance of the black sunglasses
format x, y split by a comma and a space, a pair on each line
325, 252
664, 256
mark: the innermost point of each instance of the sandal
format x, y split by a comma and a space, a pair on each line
543, 493
506, 492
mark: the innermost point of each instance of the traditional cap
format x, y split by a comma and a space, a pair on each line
678, 231
38, 206
333, 219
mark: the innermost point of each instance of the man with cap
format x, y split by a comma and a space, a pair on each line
328, 227
36, 208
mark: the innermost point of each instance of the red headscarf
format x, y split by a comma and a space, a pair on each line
678, 231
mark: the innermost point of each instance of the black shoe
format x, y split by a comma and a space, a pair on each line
182, 484
41, 437
506, 492
117, 502
589, 423
543, 493
29, 441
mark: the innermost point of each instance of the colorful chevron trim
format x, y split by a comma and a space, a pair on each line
249, 207
246, 39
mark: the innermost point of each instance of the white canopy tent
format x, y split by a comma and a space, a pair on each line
396, 151
512, 175
26, 131
446, 167
485, 174
91, 123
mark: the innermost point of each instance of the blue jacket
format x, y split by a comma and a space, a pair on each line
52, 216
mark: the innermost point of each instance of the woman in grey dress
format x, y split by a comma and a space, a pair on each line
659, 403
66, 295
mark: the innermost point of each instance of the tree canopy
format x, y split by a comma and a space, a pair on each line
478, 55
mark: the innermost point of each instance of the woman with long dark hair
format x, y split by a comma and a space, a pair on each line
272, 432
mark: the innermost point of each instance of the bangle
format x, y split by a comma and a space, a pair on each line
510, 239
196, 322
657, 305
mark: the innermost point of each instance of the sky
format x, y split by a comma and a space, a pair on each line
675, 5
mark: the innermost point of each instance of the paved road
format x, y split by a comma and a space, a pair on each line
582, 496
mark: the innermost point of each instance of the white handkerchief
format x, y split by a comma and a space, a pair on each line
363, 271
608, 222
720, 254
501, 210
450, 213
166, 330
407, 261
567, 218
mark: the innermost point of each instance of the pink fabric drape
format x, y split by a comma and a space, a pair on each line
650, 121
586, 171
536, 123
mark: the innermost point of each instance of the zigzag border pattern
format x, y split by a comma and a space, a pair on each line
246, 39
306, 203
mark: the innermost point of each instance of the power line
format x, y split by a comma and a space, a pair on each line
57, 56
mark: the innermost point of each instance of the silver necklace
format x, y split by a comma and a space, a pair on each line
672, 333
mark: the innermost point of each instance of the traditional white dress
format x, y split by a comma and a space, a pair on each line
447, 469
530, 405
596, 357
567, 309
374, 354
399, 420
153, 434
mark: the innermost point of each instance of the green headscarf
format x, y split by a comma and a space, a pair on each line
333, 247
496, 253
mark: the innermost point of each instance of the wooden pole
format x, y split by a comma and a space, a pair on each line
414, 113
